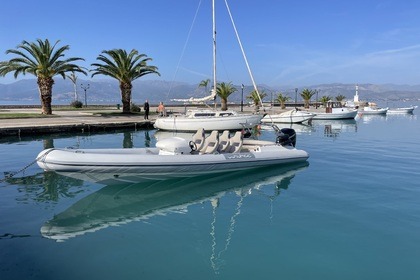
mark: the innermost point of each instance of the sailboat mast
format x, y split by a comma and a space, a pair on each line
214, 46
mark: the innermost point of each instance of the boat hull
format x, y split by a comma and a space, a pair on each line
289, 117
185, 123
148, 162
406, 110
369, 111
336, 115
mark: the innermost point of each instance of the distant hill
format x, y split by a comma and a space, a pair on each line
106, 91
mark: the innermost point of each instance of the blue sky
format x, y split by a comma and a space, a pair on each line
288, 43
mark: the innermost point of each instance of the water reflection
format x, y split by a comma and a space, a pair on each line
123, 203
333, 128
372, 118
299, 128
45, 186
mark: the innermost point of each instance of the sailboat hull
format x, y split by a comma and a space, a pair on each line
218, 122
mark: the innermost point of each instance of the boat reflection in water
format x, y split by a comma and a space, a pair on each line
333, 128
121, 203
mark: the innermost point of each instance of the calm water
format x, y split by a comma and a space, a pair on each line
353, 212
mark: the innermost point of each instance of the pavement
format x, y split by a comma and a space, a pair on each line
67, 121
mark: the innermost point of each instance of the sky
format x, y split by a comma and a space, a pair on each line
287, 42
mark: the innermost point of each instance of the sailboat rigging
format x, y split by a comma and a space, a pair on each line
195, 119
212, 96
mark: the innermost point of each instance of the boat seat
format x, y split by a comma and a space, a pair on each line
235, 142
211, 143
198, 138
224, 142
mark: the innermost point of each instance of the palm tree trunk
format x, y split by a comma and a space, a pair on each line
45, 92
126, 97
223, 102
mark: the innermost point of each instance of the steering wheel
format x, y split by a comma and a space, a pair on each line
193, 146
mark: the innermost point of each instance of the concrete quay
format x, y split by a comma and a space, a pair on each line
70, 121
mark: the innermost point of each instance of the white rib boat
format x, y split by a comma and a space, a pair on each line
291, 116
175, 156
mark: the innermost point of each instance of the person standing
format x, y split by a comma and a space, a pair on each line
161, 110
146, 108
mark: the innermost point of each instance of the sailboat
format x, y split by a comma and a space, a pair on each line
210, 119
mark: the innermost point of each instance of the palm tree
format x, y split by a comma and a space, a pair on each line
223, 91
124, 67
324, 99
204, 84
73, 79
257, 98
340, 98
307, 95
282, 99
42, 60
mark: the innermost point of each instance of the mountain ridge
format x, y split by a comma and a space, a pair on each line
106, 91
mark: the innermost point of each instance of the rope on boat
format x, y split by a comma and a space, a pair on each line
10, 175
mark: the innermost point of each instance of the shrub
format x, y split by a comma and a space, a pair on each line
76, 104
135, 108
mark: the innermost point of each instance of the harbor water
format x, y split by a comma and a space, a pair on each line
351, 212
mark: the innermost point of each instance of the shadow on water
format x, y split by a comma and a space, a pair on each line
122, 203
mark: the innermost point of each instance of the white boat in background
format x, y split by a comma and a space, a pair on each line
335, 111
372, 109
178, 157
291, 116
402, 110
210, 119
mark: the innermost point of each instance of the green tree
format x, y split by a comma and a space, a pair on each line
44, 61
256, 97
282, 99
324, 99
223, 91
124, 67
340, 98
204, 84
306, 95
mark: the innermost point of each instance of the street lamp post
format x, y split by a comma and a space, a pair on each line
85, 88
316, 104
242, 100
296, 97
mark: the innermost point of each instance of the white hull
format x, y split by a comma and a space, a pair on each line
291, 116
336, 114
147, 162
406, 110
373, 111
209, 123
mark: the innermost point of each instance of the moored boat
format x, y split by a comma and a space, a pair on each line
209, 120
402, 110
373, 110
335, 111
178, 157
291, 116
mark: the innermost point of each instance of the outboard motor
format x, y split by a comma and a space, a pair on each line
286, 137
